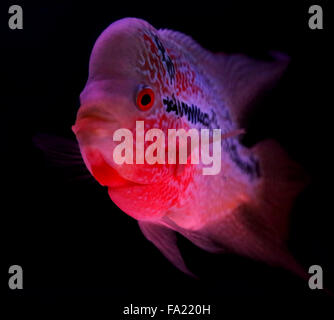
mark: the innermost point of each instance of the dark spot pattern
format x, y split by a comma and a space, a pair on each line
195, 115
250, 166
165, 57
192, 112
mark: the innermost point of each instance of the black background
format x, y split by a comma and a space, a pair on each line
71, 240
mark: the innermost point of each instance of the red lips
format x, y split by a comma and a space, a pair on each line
102, 171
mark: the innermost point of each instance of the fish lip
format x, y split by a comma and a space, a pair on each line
130, 183
92, 115
88, 118
127, 182
95, 110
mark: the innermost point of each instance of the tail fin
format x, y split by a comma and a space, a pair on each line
282, 180
258, 229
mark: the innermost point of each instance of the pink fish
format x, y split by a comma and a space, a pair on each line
167, 80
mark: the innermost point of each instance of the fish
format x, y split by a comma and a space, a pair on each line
166, 80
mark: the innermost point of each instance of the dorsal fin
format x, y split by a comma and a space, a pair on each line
187, 45
242, 79
238, 79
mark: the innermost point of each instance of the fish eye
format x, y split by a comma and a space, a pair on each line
145, 99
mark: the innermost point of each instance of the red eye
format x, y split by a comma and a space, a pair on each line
145, 99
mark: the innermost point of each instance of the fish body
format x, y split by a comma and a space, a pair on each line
244, 208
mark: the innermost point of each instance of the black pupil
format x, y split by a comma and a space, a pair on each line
146, 99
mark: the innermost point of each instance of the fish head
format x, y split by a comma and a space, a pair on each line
122, 91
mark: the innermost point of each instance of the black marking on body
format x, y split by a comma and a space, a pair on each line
192, 112
165, 57
195, 115
251, 166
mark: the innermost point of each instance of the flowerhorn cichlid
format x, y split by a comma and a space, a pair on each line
141, 78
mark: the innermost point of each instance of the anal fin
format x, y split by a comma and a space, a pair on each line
166, 241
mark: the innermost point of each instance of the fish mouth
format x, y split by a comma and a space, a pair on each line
104, 173
90, 120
